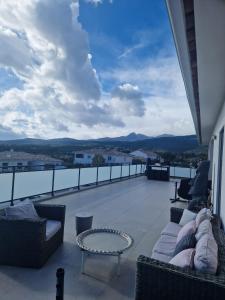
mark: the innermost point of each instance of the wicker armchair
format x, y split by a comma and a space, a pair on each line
158, 281
23, 242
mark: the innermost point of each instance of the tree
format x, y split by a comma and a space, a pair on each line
98, 160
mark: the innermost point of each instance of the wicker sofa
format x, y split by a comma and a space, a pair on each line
158, 281
23, 242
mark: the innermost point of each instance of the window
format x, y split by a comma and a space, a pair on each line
79, 155
109, 157
89, 156
219, 172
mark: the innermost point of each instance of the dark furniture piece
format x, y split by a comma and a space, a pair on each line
83, 222
162, 281
158, 173
23, 242
198, 186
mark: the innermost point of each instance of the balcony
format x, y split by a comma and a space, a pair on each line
137, 206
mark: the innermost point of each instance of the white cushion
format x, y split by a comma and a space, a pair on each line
52, 227
205, 227
187, 217
22, 210
203, 214
171, 229
184, 259
206, 255
165, 245
161, 257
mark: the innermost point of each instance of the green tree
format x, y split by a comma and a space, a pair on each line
98, 160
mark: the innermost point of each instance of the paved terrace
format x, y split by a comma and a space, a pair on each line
137, 206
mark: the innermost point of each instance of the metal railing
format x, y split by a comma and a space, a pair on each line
20, 184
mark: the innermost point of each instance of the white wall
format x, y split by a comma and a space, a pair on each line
219, 125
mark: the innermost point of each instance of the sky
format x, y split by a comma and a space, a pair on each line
88, 69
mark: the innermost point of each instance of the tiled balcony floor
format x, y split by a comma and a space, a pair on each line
136, 206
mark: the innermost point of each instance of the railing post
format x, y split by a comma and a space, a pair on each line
129, 169
53, 180
110, 176
136, 170
79, 179
13, 184
121, 170
190, 172
97, 176
141, 169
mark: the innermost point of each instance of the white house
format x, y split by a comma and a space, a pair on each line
199, 33
23, 160
111, 157
144, 155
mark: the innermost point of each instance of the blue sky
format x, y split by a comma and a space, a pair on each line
88, 69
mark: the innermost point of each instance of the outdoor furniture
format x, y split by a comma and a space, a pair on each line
83, 222
29, 242
104, 241
160, 280
161, 173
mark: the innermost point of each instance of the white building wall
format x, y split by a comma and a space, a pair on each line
219, 125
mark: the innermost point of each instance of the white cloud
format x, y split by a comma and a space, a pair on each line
45, 46
129, 99
97, 2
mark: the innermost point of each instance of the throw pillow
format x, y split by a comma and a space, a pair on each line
205, 227
184, 259
188, 228
204, 214
23, 210
206, 255
187, 216
188, 241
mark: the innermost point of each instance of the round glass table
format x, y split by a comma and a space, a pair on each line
104, 241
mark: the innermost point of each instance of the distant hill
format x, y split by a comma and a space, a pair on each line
132, 137
131, 142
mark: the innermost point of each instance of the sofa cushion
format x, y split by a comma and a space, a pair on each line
204, 214
171, 229
206, 256
184, 259
187, 229
187, 216
161, 257
188, 241
205, 227
165, 245
23, 210
52, 227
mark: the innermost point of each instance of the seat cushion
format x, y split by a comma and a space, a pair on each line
171, 229
161, 257
165, 245
52, 227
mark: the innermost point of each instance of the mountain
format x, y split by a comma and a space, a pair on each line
165, 135
130, 142
132, 137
